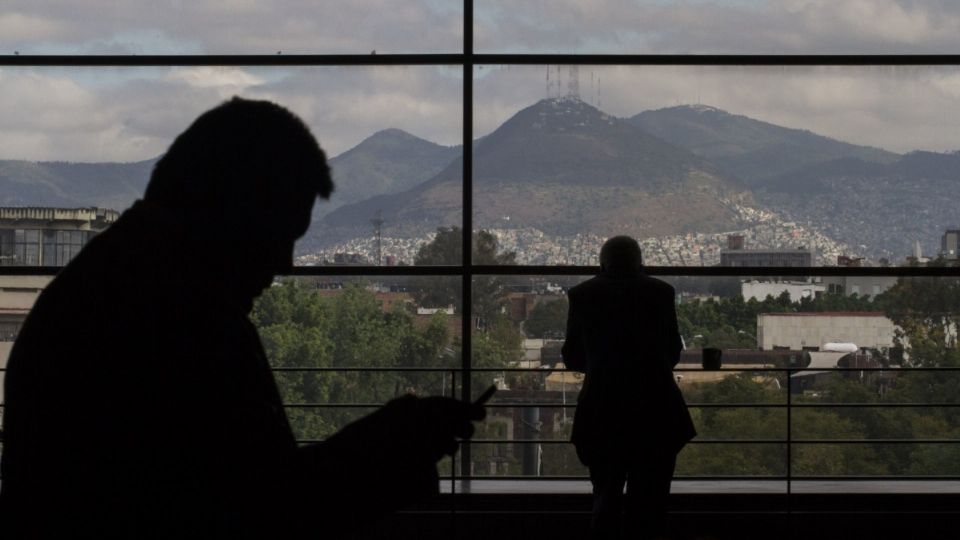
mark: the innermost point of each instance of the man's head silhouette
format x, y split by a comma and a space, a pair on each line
243, 178
621, 255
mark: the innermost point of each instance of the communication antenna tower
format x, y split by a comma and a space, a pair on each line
548, 81
598, 92
573, 83
558, 82
377, 222
593, 87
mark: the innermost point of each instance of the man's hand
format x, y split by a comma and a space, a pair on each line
399, 446
410, 430
428, 428
442, 421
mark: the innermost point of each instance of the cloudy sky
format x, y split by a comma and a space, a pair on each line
127, 114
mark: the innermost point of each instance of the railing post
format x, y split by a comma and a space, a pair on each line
453, 458
789, 444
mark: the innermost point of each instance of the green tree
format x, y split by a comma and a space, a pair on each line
300, 328
716, 423
294, 326
445, 249
548, 317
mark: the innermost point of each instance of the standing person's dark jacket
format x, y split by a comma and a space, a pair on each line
622, 333
140, 404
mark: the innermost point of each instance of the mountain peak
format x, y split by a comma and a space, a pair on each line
395, 142
703, 108
390, 134
565, 104
563, 113
697, 108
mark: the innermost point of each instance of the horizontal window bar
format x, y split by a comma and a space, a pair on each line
732, 271
733, 368
741, 441
333, 405
372, 369
851, 478
461, 58
234, 60
720, 59
730, 369
549, 405
514, 270
584, 477
872, 405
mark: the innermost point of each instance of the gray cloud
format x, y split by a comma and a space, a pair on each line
719, 27
128, 114
229, 27
124, 114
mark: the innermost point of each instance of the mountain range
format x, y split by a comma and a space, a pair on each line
63, 184
564, 167
751, 150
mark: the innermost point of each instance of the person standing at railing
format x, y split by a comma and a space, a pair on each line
139, 401
631, 419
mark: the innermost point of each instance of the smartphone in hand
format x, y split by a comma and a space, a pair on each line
485, 396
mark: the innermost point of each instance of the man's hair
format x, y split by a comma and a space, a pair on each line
243, 156
621, 254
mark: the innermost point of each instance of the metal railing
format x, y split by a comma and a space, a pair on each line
788, 441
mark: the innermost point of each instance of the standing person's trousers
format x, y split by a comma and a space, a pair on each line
644, 508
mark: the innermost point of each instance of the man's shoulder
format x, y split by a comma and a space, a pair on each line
657, 284
639, 282
584, 286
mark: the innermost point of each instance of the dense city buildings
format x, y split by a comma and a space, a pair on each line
766, 257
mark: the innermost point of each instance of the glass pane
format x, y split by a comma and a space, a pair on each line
211, 27
716, 27
89, 137
730, 166
832, 348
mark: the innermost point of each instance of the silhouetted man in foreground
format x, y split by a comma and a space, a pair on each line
631, 420
139, 401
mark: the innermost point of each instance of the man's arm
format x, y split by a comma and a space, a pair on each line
673, 340
573, 351
382, 462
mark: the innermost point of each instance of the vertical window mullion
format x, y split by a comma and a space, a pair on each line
466, 343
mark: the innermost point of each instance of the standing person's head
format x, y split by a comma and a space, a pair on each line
621, 255
244, 177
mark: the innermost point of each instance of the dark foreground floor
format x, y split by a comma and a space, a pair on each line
822, 516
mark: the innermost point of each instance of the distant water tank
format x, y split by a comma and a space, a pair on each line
840, 347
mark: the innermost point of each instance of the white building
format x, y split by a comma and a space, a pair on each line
17, 295
35, 236
796, 331
759, 290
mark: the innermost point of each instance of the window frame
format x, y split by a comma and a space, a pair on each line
468, 60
